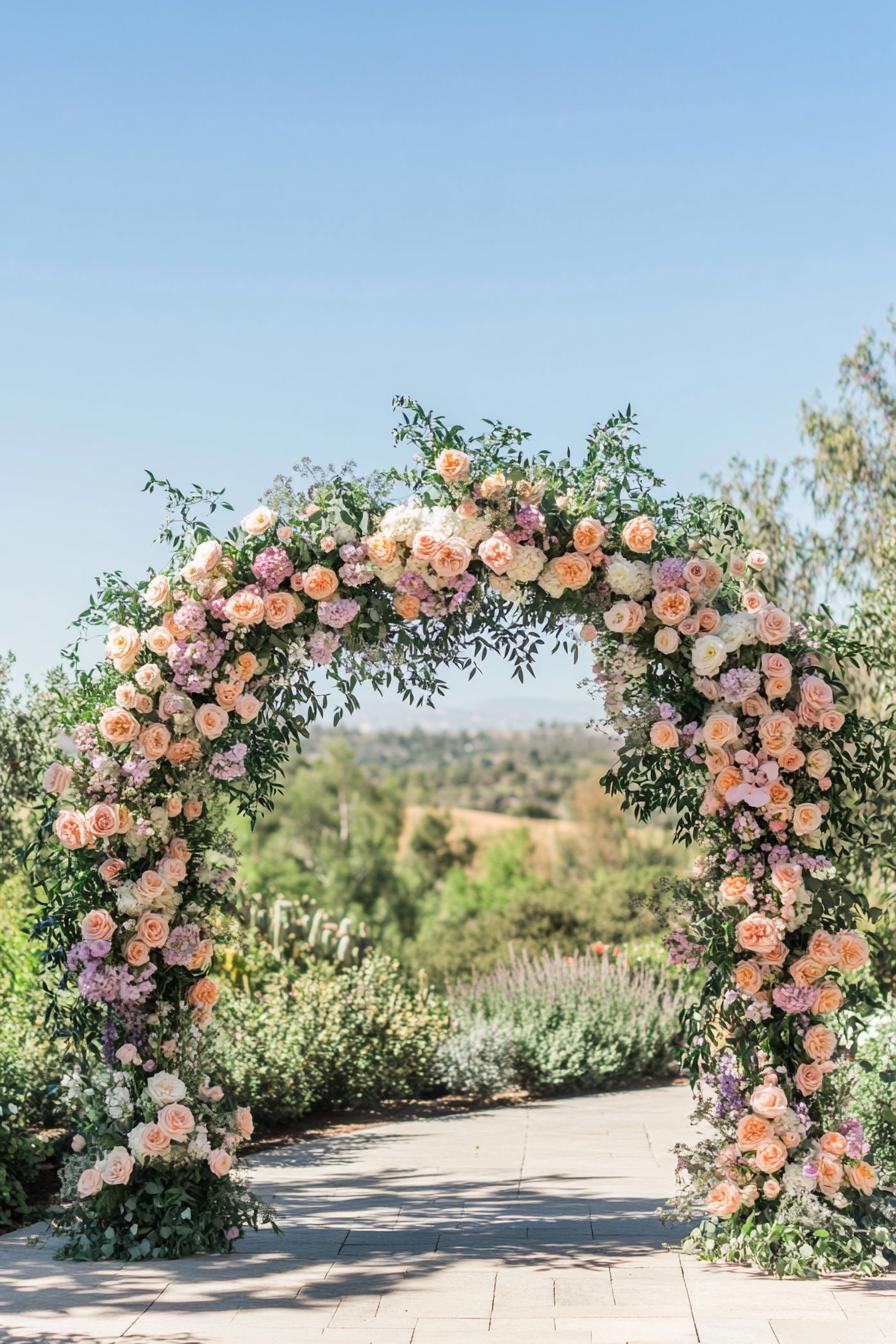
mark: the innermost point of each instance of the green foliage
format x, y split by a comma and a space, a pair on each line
331, 1040
874, 1085
157, 1217
20, 1155
570, 1023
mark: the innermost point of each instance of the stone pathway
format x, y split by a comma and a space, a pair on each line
507, 1225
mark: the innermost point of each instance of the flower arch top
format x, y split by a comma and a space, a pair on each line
731, 712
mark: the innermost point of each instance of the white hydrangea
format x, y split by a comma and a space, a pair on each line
389, 574
510, 591
527, 564
548, 581
629, 577
118, 1101
471, 530
199, 1145
343, 534
127, 901
402, 522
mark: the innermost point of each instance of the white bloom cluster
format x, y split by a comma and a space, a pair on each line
631, 578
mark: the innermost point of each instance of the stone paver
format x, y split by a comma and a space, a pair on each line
516, 1225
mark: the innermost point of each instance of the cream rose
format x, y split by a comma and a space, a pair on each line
165, 1088
259, 521
90, 1182
211, 720
116, 1167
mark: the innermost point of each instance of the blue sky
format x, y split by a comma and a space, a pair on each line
229, 232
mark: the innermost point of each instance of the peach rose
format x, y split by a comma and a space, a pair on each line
777, 688
776, 732
726, 779
425, 544
381, 550
97, 926
753, 1130
852, 950
769, 1101
150, 886
720, 729
709, 620
757, 934
182, 751
771, 1188
496, 552
830, 1174
281, 609
735, 889
452, 465
664, 735
158, 640
151, 1140
101, 820
829, 998
227, 692
259, 521
203, 993
116, 1167
806, 970
816, 693
862, 1177
639, 534
819, 1043
243, 1122
136, 952
220, 1161
192, 812
832, 720
118, 726
247, 707
587, 535
572, 570
157, 591
202, 955
776, 665
452, 558
833, 1143
153, 929
176, 1121
320, 583
493, 486
244, 608
666, 640
625, 618
90, 1182
407, 606
204, 560
753, 601
671, 605
771, 1154
755, 706
109, 869
57, 778
246, 666
809, 1078
823, 947
791, 759
148, 677
773, 625
723, 1200
211, 720
154, 741
748, 977
806, 818
122, 647
787, 876
818, 763
757, 559
172, 870
691, 626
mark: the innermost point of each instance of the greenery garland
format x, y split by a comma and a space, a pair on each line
733, 715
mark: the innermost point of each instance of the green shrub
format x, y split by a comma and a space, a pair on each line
874, 1096
574, 1023
332, 1038
20, 1154
477, 1058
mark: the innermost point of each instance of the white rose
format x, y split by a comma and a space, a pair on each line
708, 655
165, 1088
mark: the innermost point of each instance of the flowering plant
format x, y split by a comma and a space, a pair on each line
731, 711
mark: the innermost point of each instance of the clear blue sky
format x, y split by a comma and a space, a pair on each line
231, 231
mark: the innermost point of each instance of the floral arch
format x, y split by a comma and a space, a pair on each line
733, 714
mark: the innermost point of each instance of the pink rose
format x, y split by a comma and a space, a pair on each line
773, 625
116, 1167
809, 1078
101, 820
496, 552
97, 926
90, 1182
176, 1121
220, 1161
71, 830
110, 868
243, 1122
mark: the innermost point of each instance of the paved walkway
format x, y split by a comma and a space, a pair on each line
507, 1225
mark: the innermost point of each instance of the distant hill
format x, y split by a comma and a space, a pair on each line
519, 772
